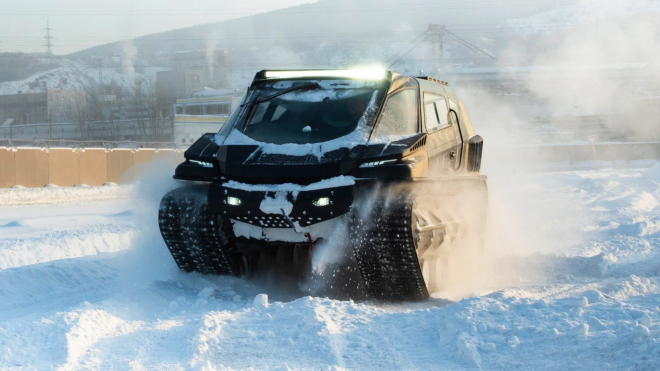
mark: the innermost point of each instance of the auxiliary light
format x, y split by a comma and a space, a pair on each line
357, 73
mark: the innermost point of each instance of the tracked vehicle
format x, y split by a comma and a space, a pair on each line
377, 168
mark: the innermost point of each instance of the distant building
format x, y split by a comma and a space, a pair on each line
113, 109
203, 112
193, 71
50, 106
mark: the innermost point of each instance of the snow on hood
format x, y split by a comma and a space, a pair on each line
351, 140
277, 204
340, 181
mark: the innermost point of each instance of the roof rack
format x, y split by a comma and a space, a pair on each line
445, 83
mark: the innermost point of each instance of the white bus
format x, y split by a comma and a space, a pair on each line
204, 112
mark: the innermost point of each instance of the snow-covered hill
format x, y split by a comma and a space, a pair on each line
78, 76
586, 11
571, 283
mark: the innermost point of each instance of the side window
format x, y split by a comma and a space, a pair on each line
435, 107
453, 105
431, 115
443, 112
400, 115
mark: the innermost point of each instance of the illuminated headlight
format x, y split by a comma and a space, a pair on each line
377, 163
234, 201
323, 201
201, 163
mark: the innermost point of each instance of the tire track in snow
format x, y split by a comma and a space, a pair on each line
60, 245
334, 332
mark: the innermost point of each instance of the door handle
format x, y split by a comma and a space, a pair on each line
452, 155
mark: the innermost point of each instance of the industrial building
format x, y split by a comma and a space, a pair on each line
193, 71
49, 106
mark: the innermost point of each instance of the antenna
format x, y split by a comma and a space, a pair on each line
49, 39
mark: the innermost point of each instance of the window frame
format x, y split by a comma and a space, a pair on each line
390, 94
435, 109
436, 98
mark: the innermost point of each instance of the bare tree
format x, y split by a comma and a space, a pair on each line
81, 116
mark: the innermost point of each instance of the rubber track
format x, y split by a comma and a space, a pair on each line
192, 234
385, 252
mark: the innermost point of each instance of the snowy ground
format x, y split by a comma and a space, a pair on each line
570, 283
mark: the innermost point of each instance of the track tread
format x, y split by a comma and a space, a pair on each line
386, 253
192, 234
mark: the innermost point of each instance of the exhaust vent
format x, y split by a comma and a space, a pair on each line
421, 143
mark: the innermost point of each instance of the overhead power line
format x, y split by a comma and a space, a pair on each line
313, 8
435, 34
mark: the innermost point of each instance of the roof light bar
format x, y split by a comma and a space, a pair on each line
357, 74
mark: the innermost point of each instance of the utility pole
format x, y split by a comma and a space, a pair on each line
49, 39
99, 60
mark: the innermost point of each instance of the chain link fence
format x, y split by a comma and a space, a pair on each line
82, 144
131, 131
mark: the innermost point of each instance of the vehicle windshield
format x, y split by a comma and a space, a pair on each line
316, 112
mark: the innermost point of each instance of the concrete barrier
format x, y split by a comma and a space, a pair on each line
7, 168
93, 166
175, 157
31, 166
120, 166
64, 167
144, 155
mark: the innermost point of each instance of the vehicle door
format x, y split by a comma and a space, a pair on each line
442, 142
460, 130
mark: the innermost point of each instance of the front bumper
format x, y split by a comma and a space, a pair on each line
274, 206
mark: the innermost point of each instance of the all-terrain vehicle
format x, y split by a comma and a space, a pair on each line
372, 162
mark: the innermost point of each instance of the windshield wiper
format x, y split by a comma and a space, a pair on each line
311, 86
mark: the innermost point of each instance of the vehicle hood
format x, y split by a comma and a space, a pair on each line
240, 157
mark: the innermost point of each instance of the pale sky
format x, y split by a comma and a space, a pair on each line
79, 24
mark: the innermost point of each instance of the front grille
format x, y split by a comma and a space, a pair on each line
274, 221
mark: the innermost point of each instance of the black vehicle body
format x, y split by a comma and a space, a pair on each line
411, 131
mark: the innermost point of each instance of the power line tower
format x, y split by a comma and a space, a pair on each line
49, 39
99, 61
436, 34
